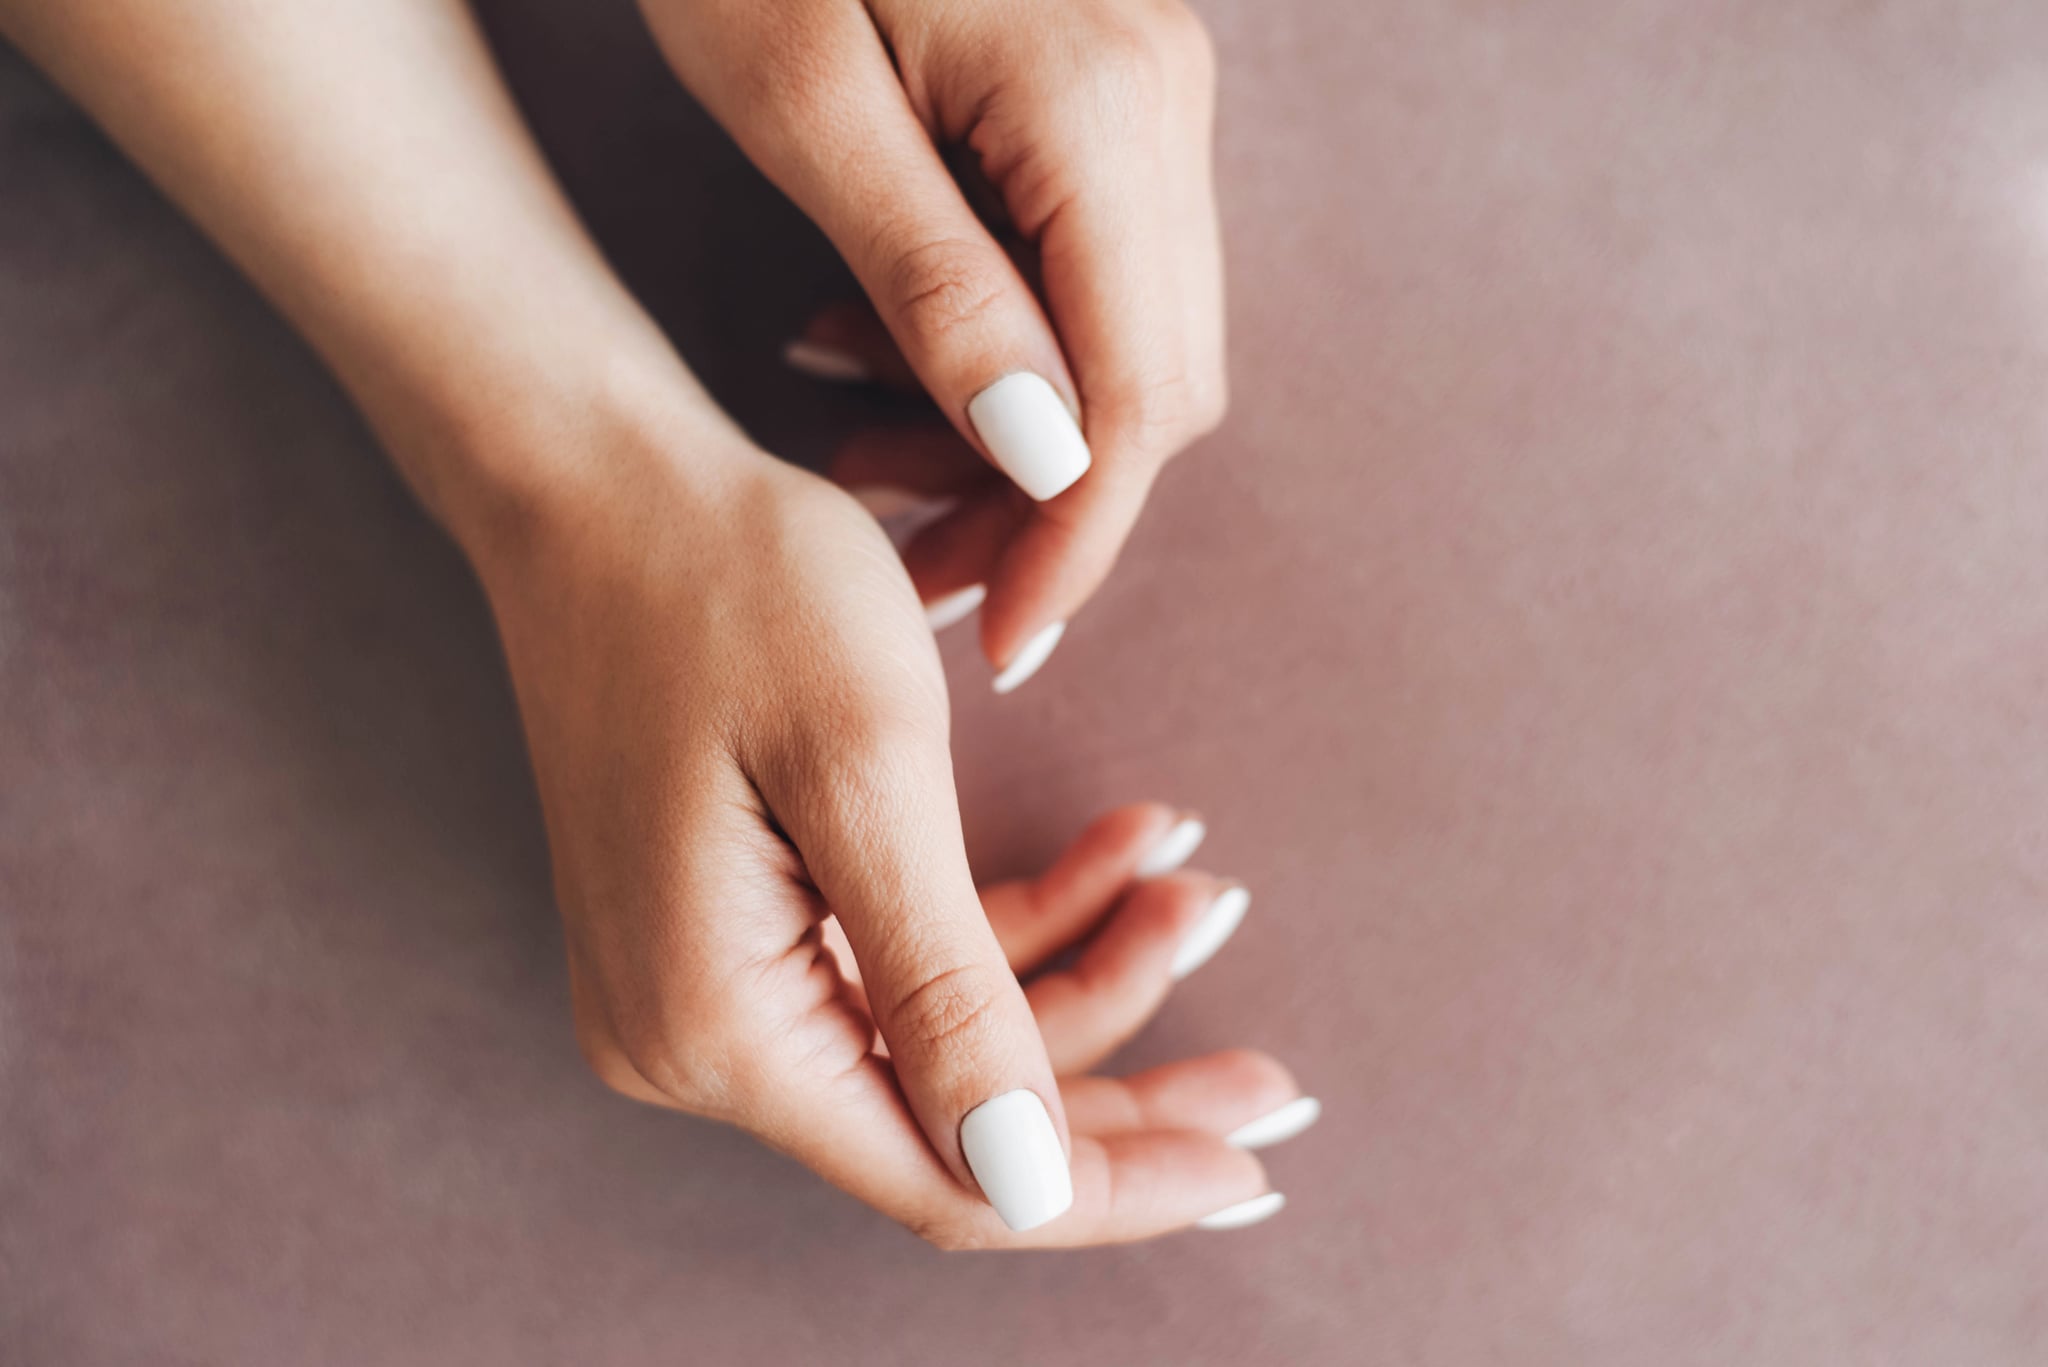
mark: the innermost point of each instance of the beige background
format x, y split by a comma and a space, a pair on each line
1610, 637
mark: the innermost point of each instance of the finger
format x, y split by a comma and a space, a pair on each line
1248, 1098
845, 144
1200, 257
869, 805
1036, 918
1122, 975
1132, 275
917, 479
854, 1130
908, 477
847, 342
1139, 1184
957, 551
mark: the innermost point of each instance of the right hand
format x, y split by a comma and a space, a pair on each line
739, 726
1090, 120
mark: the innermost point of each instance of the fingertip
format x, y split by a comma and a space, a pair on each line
1259, 1079
1028, 658
1056, 557
950, 609
1017, 1156
1243, 1214
1212, 929
1172, 847
1140, 1184
1122, 975
1284, 1122
1037, 917
1162, 912
1031, 434
1233, 1094
960, 549
1120, 839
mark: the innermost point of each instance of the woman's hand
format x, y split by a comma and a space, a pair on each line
733, 703
1091, 120
739, 726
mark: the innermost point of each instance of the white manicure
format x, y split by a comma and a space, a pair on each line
1173, 848
1244, 1212
1207, 935
1030, 434
1026, 661
1277, 1127
822, 362
956, 606
1014, 1152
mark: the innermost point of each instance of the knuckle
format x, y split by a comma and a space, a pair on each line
944, 285
864, 759
681, 1052
1170, 411
792, 82
602, 1054
864, 768
893, 725
866, 741
953, 1012
1119, 83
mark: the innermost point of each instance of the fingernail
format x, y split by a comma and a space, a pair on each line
954, 607
1173, 848
1030, 434
1207, 935
1014, 1152
1277, 1127
1025, 662
1244, 1212
886, 501
822, 362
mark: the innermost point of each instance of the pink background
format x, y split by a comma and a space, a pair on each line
1610, 637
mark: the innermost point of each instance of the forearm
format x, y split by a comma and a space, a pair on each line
365, 165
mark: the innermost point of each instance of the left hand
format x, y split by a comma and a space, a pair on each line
1091, 120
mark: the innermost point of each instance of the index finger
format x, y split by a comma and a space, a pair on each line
1132, 276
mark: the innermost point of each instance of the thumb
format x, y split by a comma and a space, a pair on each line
862, 166
879, 831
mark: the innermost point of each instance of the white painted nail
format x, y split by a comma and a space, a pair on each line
959, 605
1277, 1127
1014, 1152
1244, 1212
822, 362
1030, 434
1025, 662
956, 606
1207, 935
1173, 848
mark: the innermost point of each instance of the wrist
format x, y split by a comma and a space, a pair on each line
513, 461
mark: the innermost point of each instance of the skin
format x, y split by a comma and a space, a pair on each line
1089, 123
735, 711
